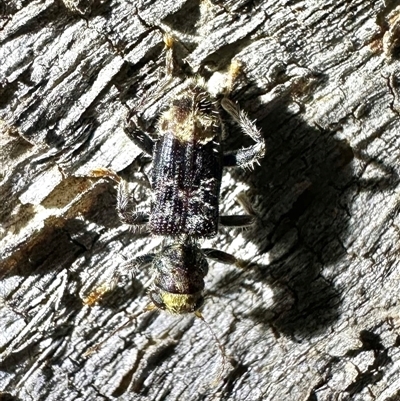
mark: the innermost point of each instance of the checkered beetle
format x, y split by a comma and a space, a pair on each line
188, 161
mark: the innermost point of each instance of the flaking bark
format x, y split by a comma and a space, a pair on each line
316, 314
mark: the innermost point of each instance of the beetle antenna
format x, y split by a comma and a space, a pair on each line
132, 318
221, 347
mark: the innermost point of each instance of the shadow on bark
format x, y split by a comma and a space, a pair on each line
305, 184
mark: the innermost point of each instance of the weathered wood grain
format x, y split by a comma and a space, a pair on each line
316, 316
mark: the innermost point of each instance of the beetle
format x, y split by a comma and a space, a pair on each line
188, 161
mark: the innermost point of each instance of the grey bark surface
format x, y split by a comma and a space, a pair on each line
316, 314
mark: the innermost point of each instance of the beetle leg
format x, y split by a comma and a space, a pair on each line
126, 207
244, 157
244, 220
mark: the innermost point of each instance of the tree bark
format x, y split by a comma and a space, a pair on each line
315, 315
